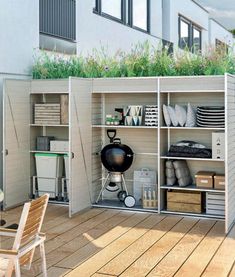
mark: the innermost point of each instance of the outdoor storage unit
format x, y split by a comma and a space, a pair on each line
49, 168
90, 100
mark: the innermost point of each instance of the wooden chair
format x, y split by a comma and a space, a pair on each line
27, 238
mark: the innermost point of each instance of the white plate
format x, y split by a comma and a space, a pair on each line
210, 119
210, 125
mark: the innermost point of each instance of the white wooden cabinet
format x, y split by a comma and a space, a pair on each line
20, 134
89, 102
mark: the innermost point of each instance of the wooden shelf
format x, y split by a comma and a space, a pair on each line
192, 188
124, 92
204, 215
191, 159
193, 91
124, 127
49, 125
50, 152
192, 128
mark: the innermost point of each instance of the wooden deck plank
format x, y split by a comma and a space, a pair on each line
124, 237
142, 266
223, 260
56, 272
173, 260
134, 251
199, 259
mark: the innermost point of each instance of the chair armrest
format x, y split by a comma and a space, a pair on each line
8, 254
7, 232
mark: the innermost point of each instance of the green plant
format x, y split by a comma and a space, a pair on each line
142, 60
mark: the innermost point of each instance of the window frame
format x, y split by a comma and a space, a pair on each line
98, 9
192, 26
130, 17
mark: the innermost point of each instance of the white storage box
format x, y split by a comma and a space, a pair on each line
218, 145
59, 145
215, 203
143, 177
65, 185
49, 169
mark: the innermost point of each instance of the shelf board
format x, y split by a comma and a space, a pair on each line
194, 91
191, 128
124, 92
50, 152
191, 159
204, 215
50, 92
49, 125
124, 127
192, 188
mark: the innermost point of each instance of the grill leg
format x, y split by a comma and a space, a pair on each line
124, 183
103, 188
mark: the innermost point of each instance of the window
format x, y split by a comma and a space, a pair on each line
113, 9
189, 35
140, 14
221, 46
184, 34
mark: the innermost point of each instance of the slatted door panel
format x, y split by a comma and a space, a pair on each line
16, 142
80, 144
230, 151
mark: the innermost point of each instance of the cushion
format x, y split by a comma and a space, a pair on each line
181, 115
191, 117
170, 173
166, 116
182, 173
173, 117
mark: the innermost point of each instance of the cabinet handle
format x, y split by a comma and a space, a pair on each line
6, 152
72, 155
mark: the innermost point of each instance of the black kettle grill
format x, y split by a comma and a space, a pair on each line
117, 158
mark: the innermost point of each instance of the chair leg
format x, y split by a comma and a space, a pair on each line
17, 268
43, 257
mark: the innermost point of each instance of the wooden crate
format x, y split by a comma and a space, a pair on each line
184, 201
64, 103
47, 113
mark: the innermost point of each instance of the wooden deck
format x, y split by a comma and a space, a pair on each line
108, 243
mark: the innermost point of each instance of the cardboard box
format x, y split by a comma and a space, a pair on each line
205, 179
218, 145
219, 182
59, 145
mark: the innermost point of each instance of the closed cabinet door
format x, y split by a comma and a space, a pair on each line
80, 144
16, 142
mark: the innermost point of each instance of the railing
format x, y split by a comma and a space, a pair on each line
58, 18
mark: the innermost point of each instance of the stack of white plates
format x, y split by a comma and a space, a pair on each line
210, 116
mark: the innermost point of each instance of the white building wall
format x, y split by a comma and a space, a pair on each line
95, 31
217, 31
190, 10
19, 35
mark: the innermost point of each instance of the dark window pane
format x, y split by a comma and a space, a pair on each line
140, 14
184, 34
112, 7
196, 40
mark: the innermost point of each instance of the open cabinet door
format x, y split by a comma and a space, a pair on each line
16, 142
80, 144
230, 152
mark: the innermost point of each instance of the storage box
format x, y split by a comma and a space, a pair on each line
43, 143
205, 179
184, 201
49, 169
218, 145
149, 197
215, 203
59, 145
219, 182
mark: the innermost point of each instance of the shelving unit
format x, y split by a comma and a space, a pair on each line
89, 102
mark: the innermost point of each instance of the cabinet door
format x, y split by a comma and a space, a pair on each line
80, 144
230, 152
16, 142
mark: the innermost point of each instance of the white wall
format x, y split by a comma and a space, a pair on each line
217, 31
19, 35
190, 10
94, 31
